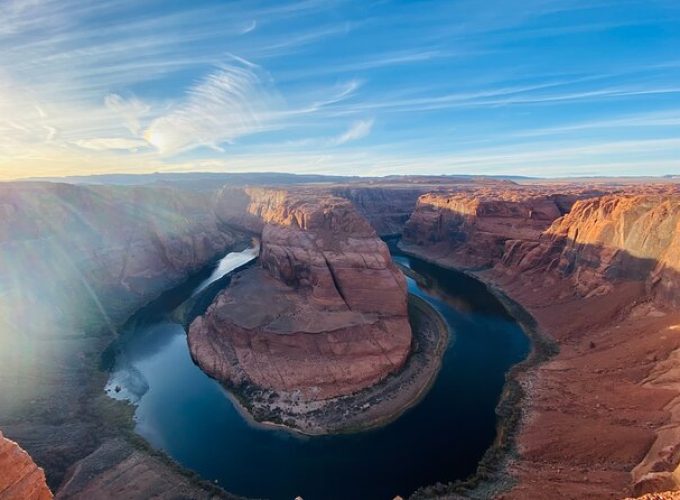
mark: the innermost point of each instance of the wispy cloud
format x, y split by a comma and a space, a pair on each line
339, 93
358, 130
669, 118
112, 143
130, 110
227, 104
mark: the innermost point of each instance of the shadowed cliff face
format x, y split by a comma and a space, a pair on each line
75, 261
386, 208
58, 242
325, 315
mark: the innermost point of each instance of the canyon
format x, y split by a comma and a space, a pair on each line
595, 264
599, 417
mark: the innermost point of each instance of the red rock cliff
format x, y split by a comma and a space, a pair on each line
601, 417
387, 208
20, 478
324, 315
607, 240
472, 227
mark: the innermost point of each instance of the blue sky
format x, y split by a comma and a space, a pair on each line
530, 87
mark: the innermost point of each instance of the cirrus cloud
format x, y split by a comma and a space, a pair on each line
358, 130
229, 103
112, 143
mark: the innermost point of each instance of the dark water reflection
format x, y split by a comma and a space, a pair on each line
185, 413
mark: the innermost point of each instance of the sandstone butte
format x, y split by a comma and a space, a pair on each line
324, 313
20, 478
601, 275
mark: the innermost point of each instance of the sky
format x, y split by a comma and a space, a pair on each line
512, 87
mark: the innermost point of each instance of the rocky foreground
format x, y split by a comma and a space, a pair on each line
21, 478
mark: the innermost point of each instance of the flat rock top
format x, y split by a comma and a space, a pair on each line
255, 299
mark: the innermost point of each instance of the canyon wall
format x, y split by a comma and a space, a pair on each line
602, 279
324, 315
75, 261
387, 208
607, 240
65, 247
473, 226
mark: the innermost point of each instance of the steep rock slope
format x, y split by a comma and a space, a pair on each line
601, 417
387, 208
324, 315
473, 226
20, 478
619, 258
610, 239
118, 470
75, 261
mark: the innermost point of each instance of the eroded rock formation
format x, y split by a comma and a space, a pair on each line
387, 208
607, 240
324, 315
20, 478
473, 226
600, 418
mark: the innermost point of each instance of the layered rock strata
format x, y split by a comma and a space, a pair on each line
387, 208
323, 315
473, 226
601, 417
20, 478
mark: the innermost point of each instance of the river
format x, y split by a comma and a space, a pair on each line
188, 415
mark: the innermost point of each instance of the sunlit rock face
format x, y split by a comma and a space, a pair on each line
601, 279
20, 478
324, 315
472, 227
610, 239
594, 240
606, 280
